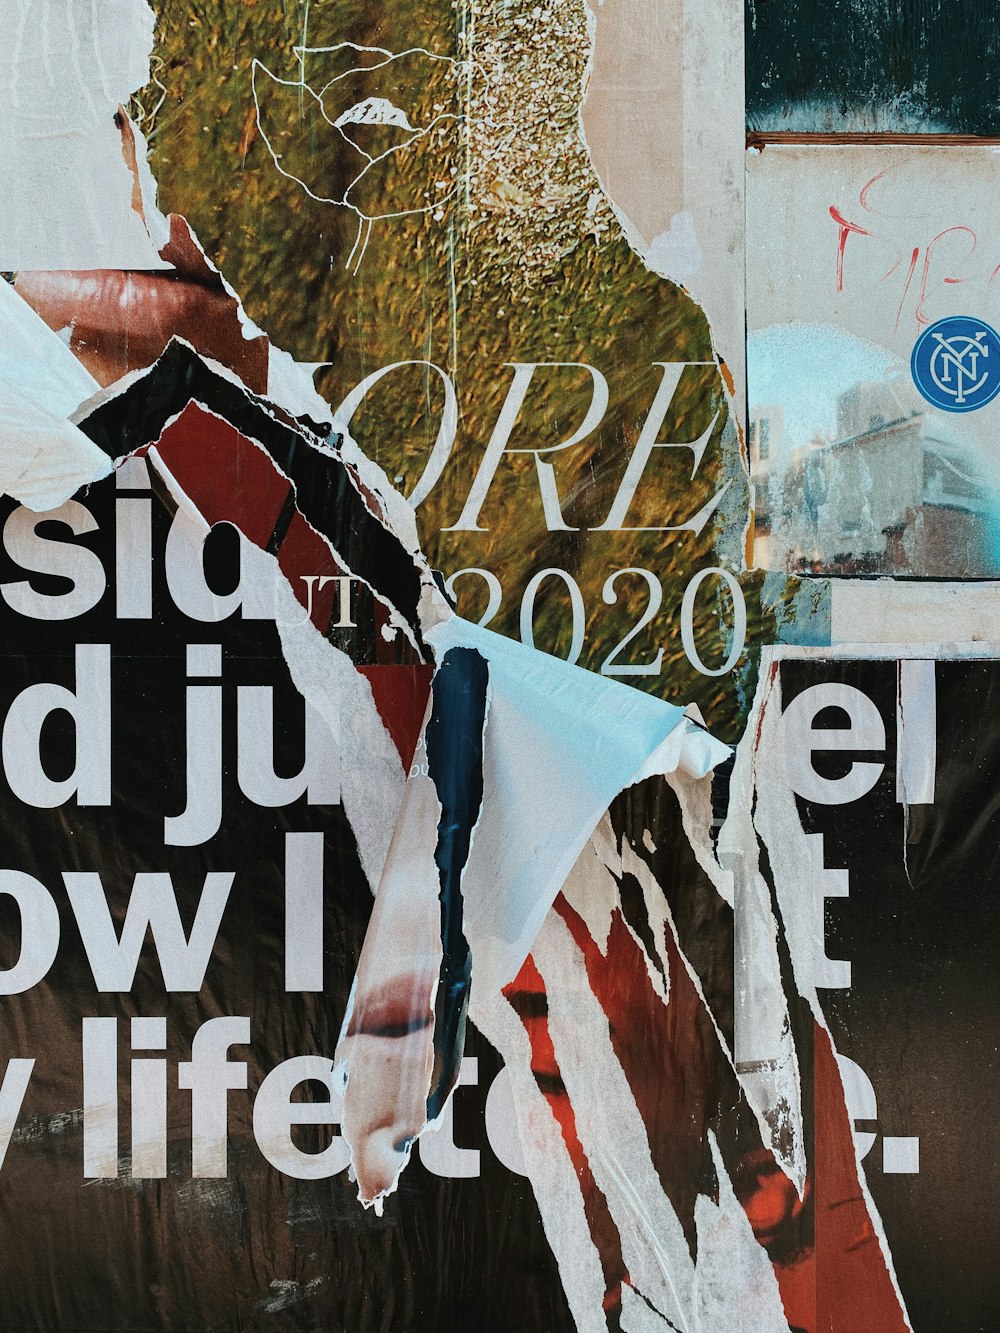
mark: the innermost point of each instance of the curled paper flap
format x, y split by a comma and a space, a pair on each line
561, 743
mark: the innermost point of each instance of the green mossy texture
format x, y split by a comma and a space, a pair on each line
517, 258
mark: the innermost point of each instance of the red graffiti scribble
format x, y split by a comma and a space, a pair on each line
920, 316
845, 228
863, 196
906, 285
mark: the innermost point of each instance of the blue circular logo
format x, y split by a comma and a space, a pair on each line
956, 364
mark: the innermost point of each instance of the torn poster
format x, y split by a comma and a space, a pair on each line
875, 793
873, 361
319, 894
509, 236
164, 612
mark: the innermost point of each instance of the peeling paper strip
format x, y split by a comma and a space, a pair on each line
400, 1049
44, 459
663, 120
553, 1177
916, 733
734, 1285
385, 1053
372, 780
764, 1048
561, 743
545, 718
790, 856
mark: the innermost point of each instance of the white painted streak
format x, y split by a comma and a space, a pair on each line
916, 732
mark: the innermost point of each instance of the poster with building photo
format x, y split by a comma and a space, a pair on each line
874, 452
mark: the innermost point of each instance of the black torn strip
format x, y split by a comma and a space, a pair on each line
325, 492
454, 740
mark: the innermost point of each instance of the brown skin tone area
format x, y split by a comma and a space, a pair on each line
121, 321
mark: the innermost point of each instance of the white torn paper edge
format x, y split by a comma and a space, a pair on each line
65, 67
765, 1055
791, 860
37, 360
44, 458
560, 744
663, 120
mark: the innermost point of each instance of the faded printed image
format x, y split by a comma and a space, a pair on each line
889, 487
905, 68
873, 364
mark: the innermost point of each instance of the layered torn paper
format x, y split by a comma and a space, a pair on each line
497, 840
489, 867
